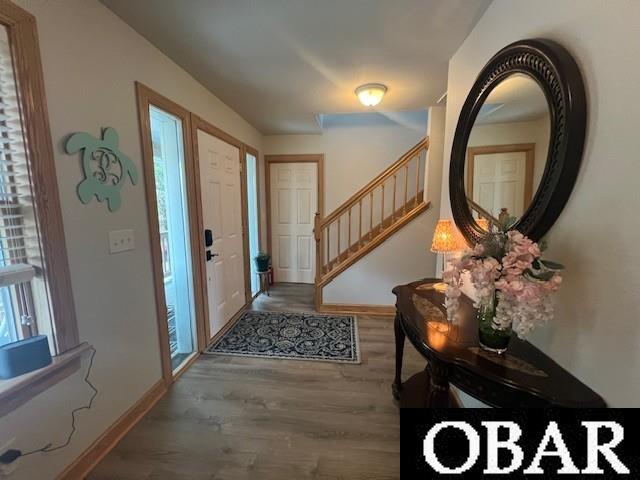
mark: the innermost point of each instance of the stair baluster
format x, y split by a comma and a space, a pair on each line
360, 223
393, 204
417, 179
406, 187
329, 266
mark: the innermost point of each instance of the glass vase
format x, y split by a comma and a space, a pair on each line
491, 337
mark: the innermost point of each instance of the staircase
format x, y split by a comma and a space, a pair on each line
370, 216
491, 223
484, 218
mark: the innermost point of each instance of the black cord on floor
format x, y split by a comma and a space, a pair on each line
49, 448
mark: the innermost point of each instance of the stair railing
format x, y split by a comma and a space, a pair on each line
493, 224
371, 213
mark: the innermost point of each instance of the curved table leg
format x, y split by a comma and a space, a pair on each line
438, 394
396, 386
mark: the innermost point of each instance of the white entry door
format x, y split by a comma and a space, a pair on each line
294, 202
499, 182
221, 213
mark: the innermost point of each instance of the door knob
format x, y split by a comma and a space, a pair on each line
211, 255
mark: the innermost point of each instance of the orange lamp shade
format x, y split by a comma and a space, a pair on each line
483, 223
444, 238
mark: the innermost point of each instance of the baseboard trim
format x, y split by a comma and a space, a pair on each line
86, 462
232, 321
195, 356
384, 310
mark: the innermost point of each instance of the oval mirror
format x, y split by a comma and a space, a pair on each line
518, 144
507, 151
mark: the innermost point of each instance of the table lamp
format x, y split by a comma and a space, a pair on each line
483, 223
444, 241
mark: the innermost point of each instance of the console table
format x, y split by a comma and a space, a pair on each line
522, 377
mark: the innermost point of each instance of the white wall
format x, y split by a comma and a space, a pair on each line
596, 331
91, 60
405, 256
355, 154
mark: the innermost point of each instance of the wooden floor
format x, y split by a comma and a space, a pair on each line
286, 297
247, 418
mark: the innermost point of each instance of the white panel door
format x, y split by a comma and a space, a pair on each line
221, 213
294, 202
499, 181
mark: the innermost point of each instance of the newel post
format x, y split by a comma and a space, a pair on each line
317, 297
317, 236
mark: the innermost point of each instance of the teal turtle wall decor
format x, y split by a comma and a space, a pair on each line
104, 166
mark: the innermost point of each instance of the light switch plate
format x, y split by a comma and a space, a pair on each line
121, 241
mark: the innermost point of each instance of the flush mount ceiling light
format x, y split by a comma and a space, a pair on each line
370, 94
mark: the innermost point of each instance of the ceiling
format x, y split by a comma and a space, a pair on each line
412, 120
282, 63
518, 98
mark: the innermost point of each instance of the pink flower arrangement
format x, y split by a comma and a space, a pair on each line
509, 274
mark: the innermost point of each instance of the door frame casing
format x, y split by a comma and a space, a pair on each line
198, 123
317, 158
527, 148
146, 98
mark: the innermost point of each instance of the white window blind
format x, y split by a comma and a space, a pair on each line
19, 245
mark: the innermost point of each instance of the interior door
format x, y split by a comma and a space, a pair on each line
221, 198
499, 182
294, 201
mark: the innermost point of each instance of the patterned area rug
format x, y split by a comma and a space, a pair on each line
292, 336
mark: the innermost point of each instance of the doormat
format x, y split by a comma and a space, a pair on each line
292, 336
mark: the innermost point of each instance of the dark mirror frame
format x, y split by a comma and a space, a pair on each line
557, 73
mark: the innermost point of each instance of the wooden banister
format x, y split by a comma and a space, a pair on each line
374, 196
376, 182
493, 221
340, 264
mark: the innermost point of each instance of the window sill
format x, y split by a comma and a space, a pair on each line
19, 390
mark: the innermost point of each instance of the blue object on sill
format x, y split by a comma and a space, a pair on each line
24, 356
